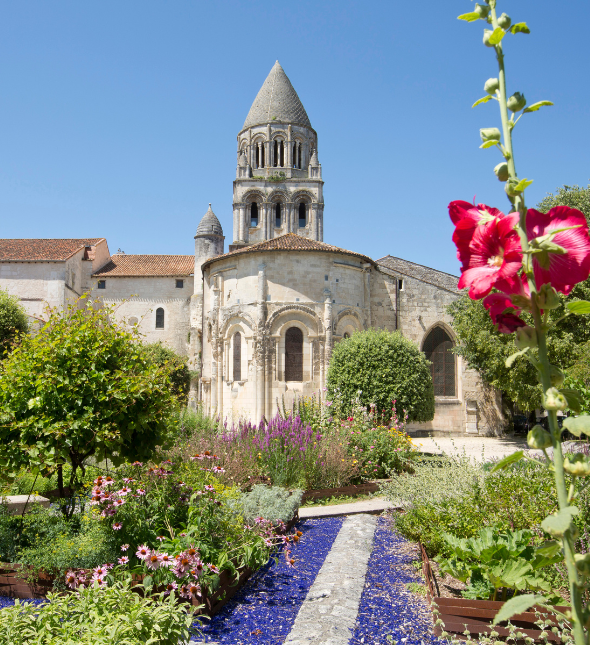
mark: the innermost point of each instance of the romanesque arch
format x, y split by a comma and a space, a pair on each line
437, 345
274, 323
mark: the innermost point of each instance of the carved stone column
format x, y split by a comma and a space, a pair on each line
260, 343
328, 327
214, 340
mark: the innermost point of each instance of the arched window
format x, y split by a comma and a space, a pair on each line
437, 348
346, 335
282, 153
294, 155
294, 354
254, 214
262, 155
278, 221
257, 156
299, 159
237, 371
159, 318
276, 153
302, 215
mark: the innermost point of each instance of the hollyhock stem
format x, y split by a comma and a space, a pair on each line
544, 364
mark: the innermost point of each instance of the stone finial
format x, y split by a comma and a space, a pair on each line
242, 160
314, 159
209, 225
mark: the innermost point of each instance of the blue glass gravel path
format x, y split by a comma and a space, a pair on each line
263, 611
5, 601
387, 609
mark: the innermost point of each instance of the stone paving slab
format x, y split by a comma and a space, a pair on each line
328, 613
354, 508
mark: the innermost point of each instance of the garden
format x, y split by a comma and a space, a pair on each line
166, 525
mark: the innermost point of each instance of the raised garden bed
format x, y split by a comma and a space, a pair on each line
475, 616
350, 491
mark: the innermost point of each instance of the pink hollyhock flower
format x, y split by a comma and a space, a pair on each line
493, 253
142, 552
565, 270
466, 217
117, 526
153, 560
503, 313
123, 560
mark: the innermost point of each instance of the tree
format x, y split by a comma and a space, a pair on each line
84, 386
180, 375
383, 366
13, 321
486, 350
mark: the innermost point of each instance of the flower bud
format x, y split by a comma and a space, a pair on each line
553, 399
516, 102
501, 171
538, 438
482, 9
486, 37
577, 465
504, 21
525, 337
547, 297
557, 376
490, 134
510, 186
491, 85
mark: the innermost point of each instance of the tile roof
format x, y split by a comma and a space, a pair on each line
425, 274
44, 250
123, 265
277, 100
288, 242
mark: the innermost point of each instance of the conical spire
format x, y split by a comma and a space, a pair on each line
277, 100
209, 225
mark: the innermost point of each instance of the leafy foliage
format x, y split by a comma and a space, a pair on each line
379, 367
98, 616
175, 365
13, 321
81, 387
270, 502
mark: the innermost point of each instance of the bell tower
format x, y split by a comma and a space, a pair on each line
278, 187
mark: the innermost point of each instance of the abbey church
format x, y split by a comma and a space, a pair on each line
258, 318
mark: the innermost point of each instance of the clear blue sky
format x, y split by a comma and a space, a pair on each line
119, 119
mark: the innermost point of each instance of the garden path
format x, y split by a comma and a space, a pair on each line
478, 448
354, 508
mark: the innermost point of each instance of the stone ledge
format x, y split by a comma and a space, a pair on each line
16, 503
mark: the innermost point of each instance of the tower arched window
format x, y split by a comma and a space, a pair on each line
294, 354
299, 165
438, 349
257, 156
276, 153
282, 153
159, 318
237, 356
254, 214
262, 155
278, 217
294, 155
302, 215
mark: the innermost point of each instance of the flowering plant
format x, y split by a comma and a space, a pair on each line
519, 263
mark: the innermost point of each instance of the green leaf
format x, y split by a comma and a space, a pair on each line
520, 28
497, 36
523, 184
489, 144
557, 524
472, 16
485, 99
578, 425
549, 549
516, 605
535, 106
578, 307
508, 461
573, 398
513, 357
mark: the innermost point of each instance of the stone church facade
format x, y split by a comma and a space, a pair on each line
259, 322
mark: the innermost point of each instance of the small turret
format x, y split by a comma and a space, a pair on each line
244, 169
315, 167
209, 242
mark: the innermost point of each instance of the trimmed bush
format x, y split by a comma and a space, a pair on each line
378, 367
13, 321
176, 365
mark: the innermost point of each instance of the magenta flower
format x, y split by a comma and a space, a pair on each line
218, 470
124, 547
503, 313
100, 571
118, 502
123, 560
212, 568
209, 488
142, 552
124, 491
153, 560
563, 270
140, 491
492, 254
160, 538
71, 579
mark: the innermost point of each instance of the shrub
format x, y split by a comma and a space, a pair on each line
271, 503
97, 616
176, 366
13, 321
379, 367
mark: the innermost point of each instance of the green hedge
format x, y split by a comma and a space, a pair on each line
383, 366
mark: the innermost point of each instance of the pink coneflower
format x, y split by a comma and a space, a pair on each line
183, 535
140, 491
71, 579
153, 560
117, 526
137, 463
166, 560
212, 568
123, 560
118, 502
218, 470
124, 491
124, 547
171, 586
193, 590
268, 542
128, 480
107, 481
99, 579
142, 552
209, 487
160, 538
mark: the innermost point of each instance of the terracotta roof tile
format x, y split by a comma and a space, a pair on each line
43, 250
148, 265
288, 242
